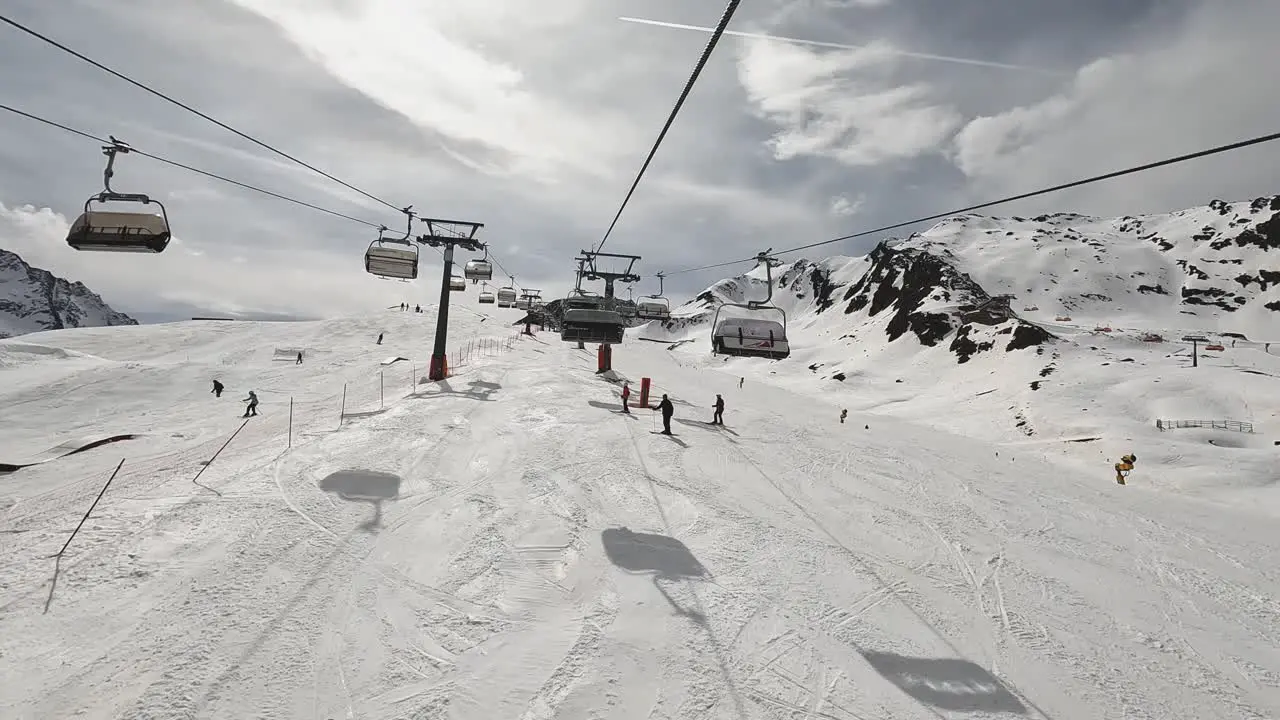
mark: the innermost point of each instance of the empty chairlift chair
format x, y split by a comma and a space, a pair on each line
753, 335
114, 231
393, 258
653, 309
457, 284
585, 321
506, 297
477, 270
487, 298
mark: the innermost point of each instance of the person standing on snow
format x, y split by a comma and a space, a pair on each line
667, 411
379, 338
217, 389
252, 408
843, 414
626, 395
299, 359
718, 418
740, 381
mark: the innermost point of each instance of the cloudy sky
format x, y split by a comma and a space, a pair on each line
533, 118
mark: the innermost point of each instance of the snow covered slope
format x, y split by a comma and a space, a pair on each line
1058, 330
503, 545
32, 299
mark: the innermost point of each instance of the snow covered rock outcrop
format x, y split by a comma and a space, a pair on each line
32, 300
973, 284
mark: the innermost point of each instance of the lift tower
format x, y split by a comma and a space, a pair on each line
447, 234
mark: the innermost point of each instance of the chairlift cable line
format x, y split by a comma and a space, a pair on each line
143, 86
1023, 196
189, 168
684, 94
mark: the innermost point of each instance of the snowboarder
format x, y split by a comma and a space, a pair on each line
667, 411
626, 395
217, 389
843, 414
718, 418
379, 338
299, 358
252, 407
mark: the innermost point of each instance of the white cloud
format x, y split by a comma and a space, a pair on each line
842, 105
421, 59
1183, 89
842, 206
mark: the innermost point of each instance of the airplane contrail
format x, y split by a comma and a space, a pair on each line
844, 46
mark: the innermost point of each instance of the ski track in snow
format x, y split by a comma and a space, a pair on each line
781, 566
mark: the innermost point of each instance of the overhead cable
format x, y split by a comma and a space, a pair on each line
1022, 196
688, 86
189, 168
188, 108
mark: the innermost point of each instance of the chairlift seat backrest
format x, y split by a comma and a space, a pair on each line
457, 284
391, 262
119, 232
487, 298
478, 270
507, 295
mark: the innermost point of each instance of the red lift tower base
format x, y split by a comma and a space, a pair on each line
439, 367
604, 359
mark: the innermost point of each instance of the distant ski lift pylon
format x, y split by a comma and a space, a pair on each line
395, 263
752, 336
109, 231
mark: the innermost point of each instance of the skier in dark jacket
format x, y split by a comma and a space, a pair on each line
379, 338
667, 411
217, 389
252, 407
718, 418
299, 359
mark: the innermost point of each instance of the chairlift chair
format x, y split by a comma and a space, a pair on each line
653, 308
487, 298
752, 336
477, 270
506, 297
457, 284
586, 321
114, 231
386, 260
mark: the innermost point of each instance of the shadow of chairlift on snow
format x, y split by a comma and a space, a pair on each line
368, 486
663, 557
946, 683
476, 390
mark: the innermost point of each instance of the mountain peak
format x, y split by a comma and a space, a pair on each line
33, 299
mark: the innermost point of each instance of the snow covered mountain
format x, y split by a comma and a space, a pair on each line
32, 300
971, 279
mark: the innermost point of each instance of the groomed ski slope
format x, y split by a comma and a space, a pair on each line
506, 545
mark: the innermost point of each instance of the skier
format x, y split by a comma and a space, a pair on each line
626, 395
252, 407
217, 389
299, 358
843, 414
667, 411
379, 338
740, 381
417, 308
718, 418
